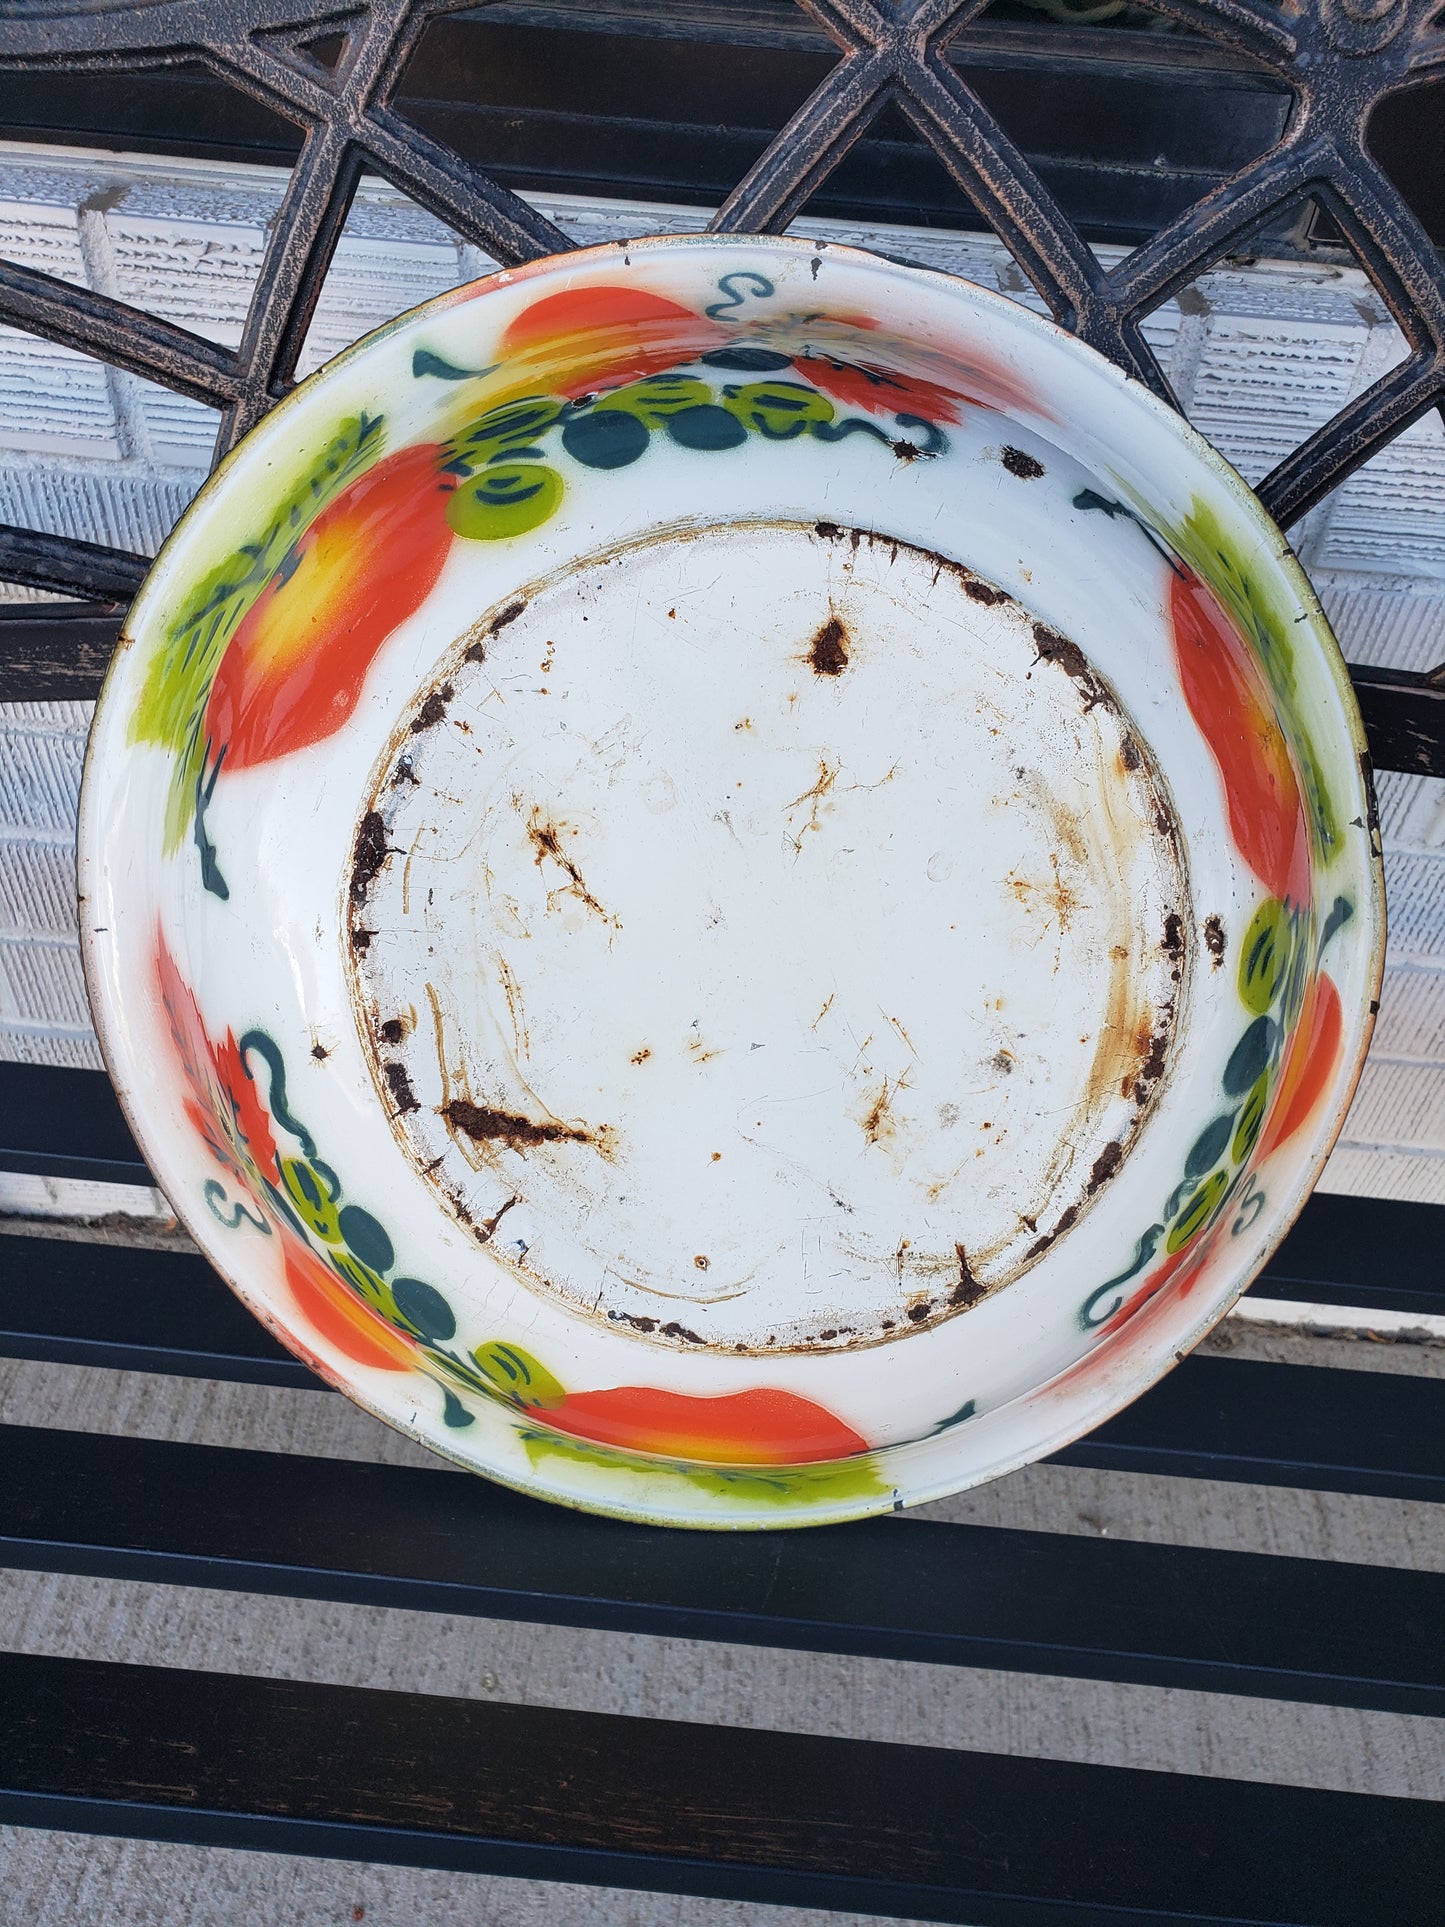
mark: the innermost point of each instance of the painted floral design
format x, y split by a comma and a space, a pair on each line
1254, 600
172, 707
269, 652
341, 1271
1279, 1072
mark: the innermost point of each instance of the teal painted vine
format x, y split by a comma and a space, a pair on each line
508, 485
1277, 976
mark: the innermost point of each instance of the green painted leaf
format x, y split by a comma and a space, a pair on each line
178, 677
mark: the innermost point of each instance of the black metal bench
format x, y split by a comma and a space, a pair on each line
933, 1833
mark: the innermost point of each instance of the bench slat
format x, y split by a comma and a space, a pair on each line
783, 1817
1211, 1418
1377, 1253
1036, 1602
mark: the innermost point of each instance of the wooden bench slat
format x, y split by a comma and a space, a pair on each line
1036, 1602
952, 1836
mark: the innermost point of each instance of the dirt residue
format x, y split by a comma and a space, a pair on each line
828, 653
488, 1126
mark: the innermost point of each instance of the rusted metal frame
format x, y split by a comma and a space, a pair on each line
1349, 439
439, 180
479, 208
1404, 394
97, 324
288, 287
111, 33
832, 120
1012, 199
1241, 28
68, 566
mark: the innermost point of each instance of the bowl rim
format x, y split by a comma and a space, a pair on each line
1111, 1392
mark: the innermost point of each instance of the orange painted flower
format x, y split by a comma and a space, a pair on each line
605, 337
1310, 1061
338, 1315
293, 672
1229, 700
758, 1427
882, 391
221, 1099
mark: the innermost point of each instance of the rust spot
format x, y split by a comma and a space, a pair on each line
829, 652
1129, 753
1027, 467
917, 1313
484, 1124
827, 777
546, 841
371, 854
701, 1262
1214, 939
968, 1290
1053, 647
361, 939
877, 1121
673, 1330
399, 1084
433, 710
1066, 1218
983, 592
393, 1030
1105, 1165
320, 1053
1172, 942
474, 652
631, 1318
404, 773
830, 531
906, 451
641, 1056
487, 1229
509, 614
1153, 1045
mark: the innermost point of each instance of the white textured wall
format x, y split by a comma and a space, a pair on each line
1260, 356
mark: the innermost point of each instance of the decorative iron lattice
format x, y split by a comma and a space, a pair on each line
1339, 58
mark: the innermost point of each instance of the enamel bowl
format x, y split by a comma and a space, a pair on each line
730, 882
